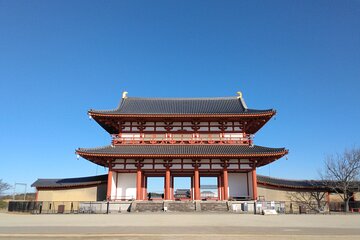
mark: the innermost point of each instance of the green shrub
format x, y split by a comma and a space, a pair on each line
3, 204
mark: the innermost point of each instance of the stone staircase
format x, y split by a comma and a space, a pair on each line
147, 206
214, 206
178, 206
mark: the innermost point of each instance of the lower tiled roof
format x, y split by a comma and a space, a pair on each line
290, 183
262, 180
182, 150
69, 182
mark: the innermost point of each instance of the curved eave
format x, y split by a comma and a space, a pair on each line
268, 157
265, 113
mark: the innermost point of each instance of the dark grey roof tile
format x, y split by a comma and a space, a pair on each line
67, 182
224, 105
185, 149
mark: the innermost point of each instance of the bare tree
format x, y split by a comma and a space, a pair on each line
3, 186
341, 173
313, 200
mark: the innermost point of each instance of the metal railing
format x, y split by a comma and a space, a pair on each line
89, 207
55, 207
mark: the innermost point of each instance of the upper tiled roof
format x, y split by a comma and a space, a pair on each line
181, 106
182, 149
69, 182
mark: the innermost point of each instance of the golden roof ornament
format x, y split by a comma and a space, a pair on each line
124, 95
240, 97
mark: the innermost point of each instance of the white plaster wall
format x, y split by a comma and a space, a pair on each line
113, 185
238, 185
250, 183
126, 186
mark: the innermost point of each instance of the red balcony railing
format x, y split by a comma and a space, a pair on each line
169, 138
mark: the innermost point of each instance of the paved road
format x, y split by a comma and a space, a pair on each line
179, 226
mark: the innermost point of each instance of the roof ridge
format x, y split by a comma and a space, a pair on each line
184, 98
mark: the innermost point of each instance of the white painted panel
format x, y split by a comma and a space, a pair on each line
177, 166
119, 161
188, 161
119, 166
238, 185
188, 167
204, 166
216, 166
159, 161
113, 185
233, 161
126, 187
245, 166
159, 167
131, 161
249, 176
147, 166
131, 166
233, 166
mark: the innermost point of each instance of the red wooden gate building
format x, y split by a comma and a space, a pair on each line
182, 137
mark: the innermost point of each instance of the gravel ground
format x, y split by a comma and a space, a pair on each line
178, 226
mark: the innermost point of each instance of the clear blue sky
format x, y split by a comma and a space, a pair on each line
60, 58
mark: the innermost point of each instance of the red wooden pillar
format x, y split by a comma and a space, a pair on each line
219, 188
109, 183
167, 184
172, 189
143, 187
36, 195
254, 183
222, 186
138, 184
226, 184
196, 183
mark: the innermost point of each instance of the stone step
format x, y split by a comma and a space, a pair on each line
214, 206
148, 207
187, 206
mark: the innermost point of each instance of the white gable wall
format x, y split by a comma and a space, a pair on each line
125, 187
238, 184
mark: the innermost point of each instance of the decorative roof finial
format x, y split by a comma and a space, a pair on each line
239, 94
240, 97
124, 95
